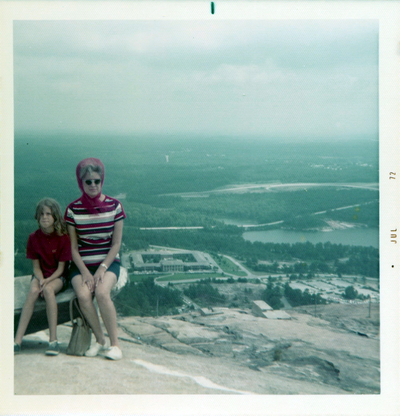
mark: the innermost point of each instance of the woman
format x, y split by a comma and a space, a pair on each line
94, 223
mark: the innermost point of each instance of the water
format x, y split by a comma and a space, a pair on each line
350, 236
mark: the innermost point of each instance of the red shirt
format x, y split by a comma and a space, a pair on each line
49, 249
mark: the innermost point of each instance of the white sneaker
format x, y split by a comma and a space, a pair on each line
95, 349
114, 353
53, 348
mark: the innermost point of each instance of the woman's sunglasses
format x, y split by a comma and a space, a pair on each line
93, 181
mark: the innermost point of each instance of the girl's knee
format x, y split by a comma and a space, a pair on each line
34, 292
48, 292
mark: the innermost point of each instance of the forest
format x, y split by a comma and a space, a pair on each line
320, 257
150, 188
145, 298
259, 208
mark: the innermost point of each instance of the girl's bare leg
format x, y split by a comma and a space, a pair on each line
27, 310
49, 293
86, 304
106, 306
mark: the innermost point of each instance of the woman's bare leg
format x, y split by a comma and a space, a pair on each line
86, 304
106, 306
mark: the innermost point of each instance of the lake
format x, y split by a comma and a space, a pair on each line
350, 236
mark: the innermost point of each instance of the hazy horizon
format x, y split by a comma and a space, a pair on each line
277, 78
49, 134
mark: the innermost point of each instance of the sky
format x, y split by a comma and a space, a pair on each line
264, 78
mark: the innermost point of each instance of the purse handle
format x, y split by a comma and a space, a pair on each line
71, 312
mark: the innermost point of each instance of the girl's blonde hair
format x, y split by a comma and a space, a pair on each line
59, 223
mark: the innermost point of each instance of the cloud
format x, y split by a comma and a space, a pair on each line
155, 75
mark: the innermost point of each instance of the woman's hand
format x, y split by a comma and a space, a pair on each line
98, 276
88, 280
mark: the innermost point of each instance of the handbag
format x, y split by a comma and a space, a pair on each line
81, 333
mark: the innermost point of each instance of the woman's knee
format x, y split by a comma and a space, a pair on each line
102, 295
84, 297
82, 292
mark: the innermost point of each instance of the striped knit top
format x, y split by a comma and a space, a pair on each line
94, 231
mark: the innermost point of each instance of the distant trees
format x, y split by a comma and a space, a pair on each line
311, 258
364, 261
262, 267
320, 258
350, 293
144, 215
298, 298
138, 169
295, 208
145, 298
205, 294
323, 258
304, 222
272, 295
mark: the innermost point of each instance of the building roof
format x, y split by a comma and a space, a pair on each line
263, 306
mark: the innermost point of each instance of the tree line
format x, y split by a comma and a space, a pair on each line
321, 257
227, 239
296, 208
298, 298
145, 298
138, 168
363, 262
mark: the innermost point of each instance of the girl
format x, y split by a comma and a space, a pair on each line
50, 250
94, 224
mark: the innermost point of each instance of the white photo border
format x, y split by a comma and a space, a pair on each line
385, 403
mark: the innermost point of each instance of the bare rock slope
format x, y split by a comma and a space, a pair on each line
228, 351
